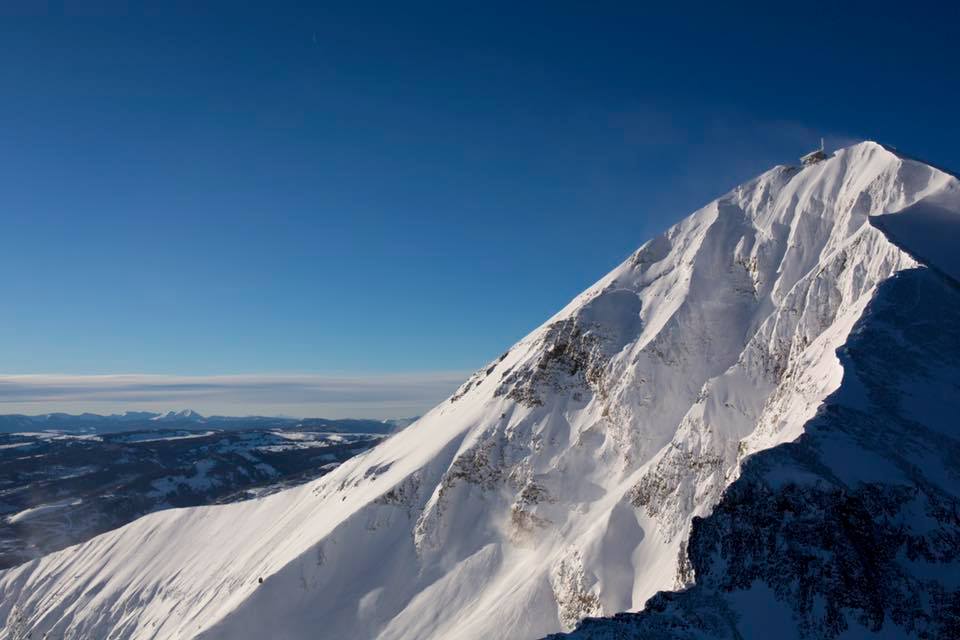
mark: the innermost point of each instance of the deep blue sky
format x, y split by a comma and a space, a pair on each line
386, 188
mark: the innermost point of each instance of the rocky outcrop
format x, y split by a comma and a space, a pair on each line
571, 361
854, 528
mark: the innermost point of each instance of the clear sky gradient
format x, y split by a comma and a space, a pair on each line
389, 189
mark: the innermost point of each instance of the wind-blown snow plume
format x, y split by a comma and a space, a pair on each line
558, 482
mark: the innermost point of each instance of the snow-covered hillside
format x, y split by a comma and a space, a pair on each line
852, 530
558, 482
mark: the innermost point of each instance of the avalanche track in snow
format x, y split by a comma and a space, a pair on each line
561, 480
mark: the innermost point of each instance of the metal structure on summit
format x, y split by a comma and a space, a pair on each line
814, 156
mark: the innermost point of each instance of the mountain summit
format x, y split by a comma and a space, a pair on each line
560, 481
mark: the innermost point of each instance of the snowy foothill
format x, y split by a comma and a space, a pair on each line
103, 481
41, 510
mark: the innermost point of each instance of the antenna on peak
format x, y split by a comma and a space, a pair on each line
814, 156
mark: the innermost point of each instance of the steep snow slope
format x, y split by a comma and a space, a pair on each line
558, 482
852, 530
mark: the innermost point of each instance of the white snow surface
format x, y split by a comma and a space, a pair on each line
559, 481
41, 510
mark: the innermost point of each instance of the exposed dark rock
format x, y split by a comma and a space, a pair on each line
855, 526
571, 359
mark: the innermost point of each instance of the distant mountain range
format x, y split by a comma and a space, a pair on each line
65, 479
185, 419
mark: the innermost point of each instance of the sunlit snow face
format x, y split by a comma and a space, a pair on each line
515, 515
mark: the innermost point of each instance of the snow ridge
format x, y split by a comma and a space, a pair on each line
558, 482
852, 530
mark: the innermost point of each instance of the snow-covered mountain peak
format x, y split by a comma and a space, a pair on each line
183, 414
560, 480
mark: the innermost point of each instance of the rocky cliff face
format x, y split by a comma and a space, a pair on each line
852, 530
560, 481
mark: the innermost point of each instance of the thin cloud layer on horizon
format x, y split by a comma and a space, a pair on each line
297, 395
